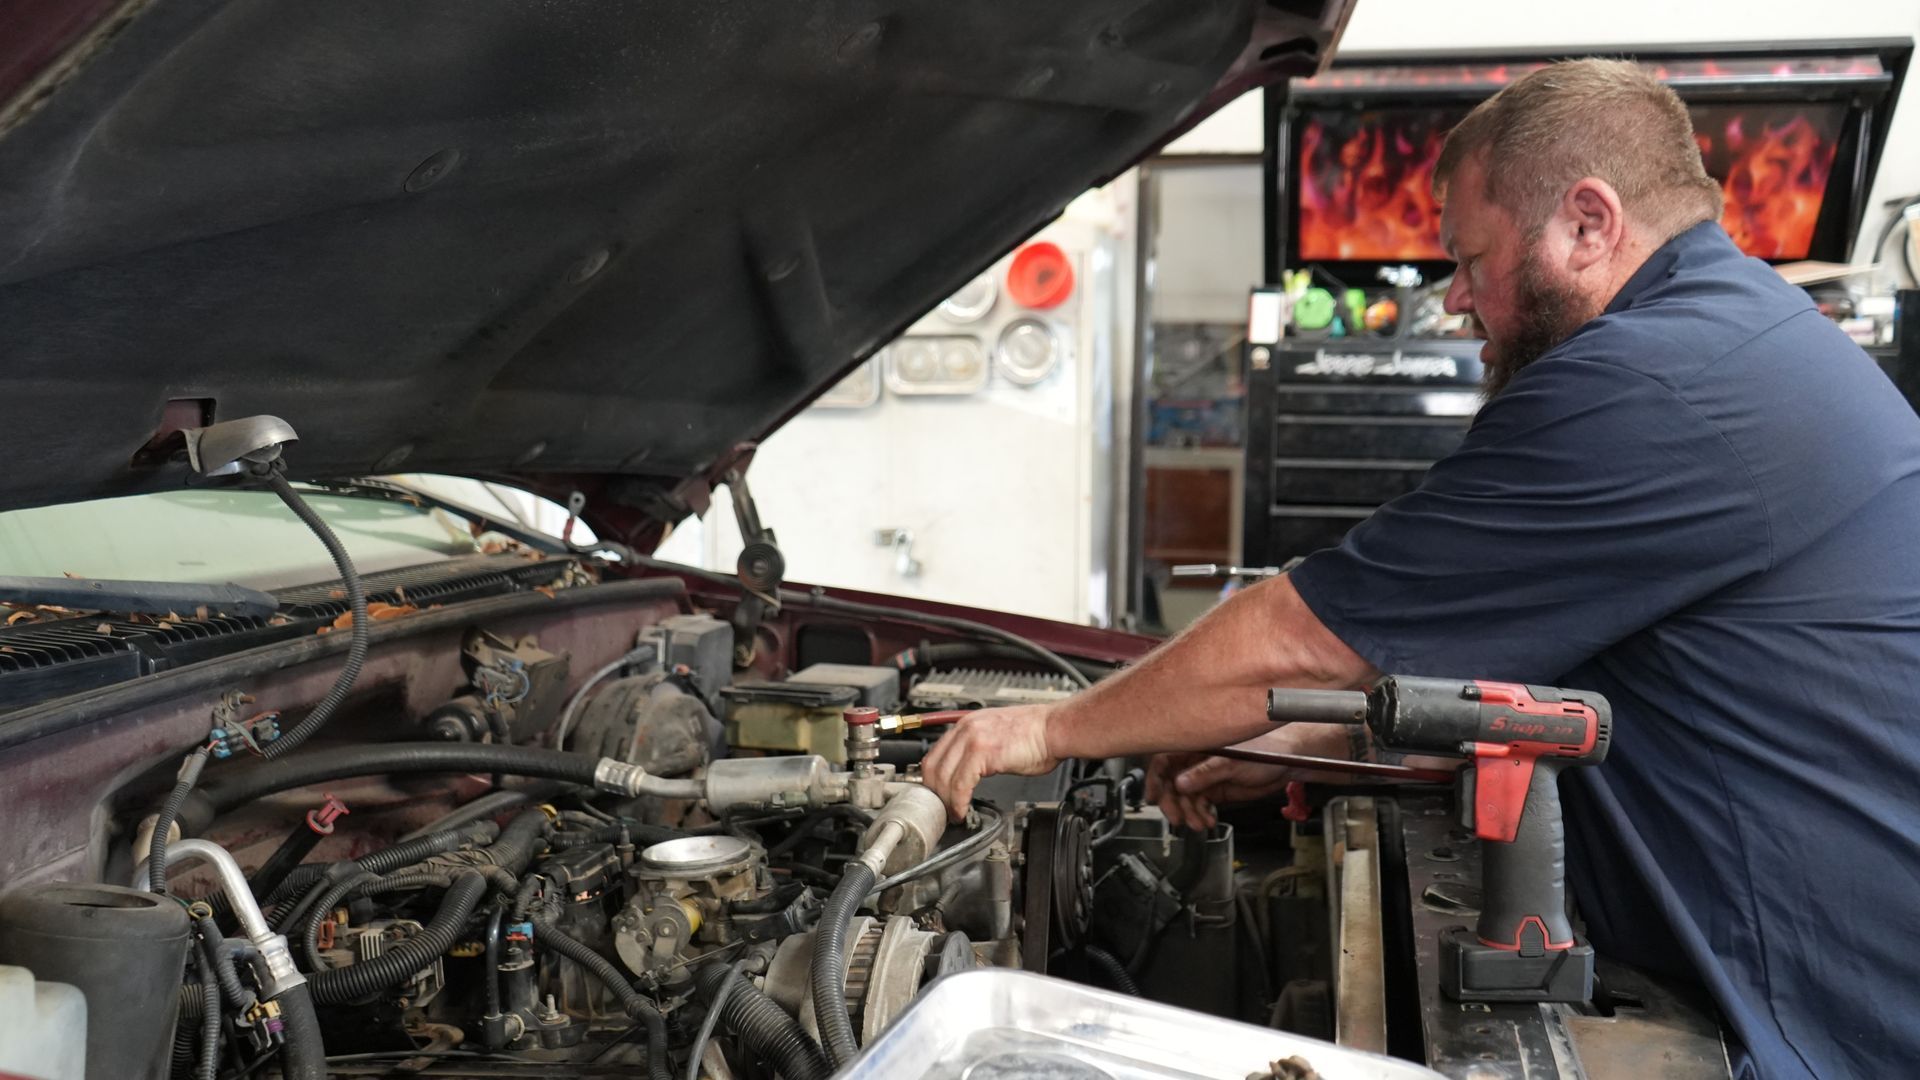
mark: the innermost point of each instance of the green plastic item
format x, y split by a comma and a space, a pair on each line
1314, 310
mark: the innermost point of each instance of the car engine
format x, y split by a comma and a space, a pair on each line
583, 839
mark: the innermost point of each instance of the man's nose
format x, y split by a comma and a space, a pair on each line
1459, 296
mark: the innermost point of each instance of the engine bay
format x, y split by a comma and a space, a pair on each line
564, 824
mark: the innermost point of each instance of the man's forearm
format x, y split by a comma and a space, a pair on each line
1207, 687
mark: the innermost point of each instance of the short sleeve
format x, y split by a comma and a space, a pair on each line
1586, 503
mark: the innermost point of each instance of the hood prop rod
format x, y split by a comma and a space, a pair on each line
760, 570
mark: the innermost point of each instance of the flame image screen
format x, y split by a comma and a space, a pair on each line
1773, 163
1366, 184
1365, 178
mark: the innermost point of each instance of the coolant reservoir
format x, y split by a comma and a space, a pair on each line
43, 1027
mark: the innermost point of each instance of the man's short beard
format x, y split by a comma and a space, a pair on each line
1549, 313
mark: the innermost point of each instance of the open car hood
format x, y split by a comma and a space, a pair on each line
599, 238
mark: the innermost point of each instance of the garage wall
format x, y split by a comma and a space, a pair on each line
1205, 254
1421, 25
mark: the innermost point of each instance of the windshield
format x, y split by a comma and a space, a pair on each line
219, 536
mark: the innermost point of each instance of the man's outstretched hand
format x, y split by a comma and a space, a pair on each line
1008, 740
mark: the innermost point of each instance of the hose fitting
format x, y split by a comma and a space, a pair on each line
622, 778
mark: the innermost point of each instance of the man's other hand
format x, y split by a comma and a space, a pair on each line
1187, 787
991, 741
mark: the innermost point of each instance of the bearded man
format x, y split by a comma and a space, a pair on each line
1686, 490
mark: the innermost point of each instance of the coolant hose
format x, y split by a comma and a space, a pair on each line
304, 1057
547, 936
766, 1028
361, 633
340, 986
828, 973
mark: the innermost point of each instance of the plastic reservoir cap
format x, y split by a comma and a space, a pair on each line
1040, 276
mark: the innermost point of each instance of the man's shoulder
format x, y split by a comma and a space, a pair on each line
1689, 326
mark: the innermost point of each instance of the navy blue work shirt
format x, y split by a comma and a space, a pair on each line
1705, 504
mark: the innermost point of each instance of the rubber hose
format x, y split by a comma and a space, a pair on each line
758, 1021
169, 812
341, 986
1112, 968
547, 936
361, 630
396, 759
223, 969
828, 973
208, 1066
304, 1057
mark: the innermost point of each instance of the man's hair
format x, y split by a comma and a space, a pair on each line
1609, 119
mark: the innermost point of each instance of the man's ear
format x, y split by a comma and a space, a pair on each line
1595, 223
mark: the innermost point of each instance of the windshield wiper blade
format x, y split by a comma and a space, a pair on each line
144, 597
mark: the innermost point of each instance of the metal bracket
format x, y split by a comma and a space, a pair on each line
229, 446
901, 541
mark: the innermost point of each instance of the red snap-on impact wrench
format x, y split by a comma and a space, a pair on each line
1517, 738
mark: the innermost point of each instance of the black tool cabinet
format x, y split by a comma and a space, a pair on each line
1336, 427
